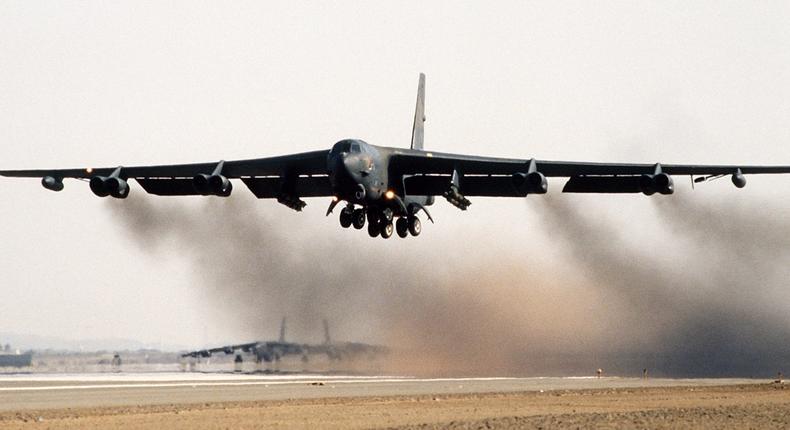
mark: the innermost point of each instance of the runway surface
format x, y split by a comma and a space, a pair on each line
57, 391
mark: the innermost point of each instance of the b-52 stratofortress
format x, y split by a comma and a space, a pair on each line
274, 351
384, 187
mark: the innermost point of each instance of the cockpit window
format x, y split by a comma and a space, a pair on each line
346, 146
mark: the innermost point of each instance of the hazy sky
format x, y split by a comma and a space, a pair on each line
101, 83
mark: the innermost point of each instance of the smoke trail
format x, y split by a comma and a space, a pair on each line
714, 309
446, 312
678, 306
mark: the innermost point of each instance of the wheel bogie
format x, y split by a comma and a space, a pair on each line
387, 229
358, 219
373, 229
415, 226
346, 217
402, 227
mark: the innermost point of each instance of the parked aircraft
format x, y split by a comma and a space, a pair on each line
269, 351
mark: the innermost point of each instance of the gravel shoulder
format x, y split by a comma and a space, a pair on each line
733, 406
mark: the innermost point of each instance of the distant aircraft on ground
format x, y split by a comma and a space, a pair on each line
269, 351
387, 187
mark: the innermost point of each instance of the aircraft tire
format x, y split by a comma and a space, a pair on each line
402, 227
346, 216
358, 219
387, 229
373, 229
415, 226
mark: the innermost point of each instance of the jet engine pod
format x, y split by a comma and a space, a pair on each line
737, 179
219, 185
200, 182
532, 183
52, 183
647, 185
663, 183
117, 187
99, 186
536, 183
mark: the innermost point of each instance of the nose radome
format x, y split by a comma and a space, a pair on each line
351, 163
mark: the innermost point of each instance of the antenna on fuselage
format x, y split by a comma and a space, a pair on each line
417, 131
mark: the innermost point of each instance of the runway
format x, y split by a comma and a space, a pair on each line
58, 391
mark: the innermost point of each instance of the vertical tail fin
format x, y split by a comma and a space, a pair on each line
282, 331
327, 339
417, 131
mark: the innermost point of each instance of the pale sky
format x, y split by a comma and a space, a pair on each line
99, 83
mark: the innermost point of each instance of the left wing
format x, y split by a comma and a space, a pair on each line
286, 177
431, 173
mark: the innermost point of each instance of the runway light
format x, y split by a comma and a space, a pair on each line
389, 194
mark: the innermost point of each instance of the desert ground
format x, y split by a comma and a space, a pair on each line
337, 402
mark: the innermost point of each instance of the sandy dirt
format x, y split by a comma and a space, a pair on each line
738, 406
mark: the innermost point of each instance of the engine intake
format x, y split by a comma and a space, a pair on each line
659, 183
216, 185
113, 186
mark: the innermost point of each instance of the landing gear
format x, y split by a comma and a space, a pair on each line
402, 227
380, 222
387, 229
358, 219
415, 226
373, 229
346, 217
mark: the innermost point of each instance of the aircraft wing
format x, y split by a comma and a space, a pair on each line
299, 175
427, 173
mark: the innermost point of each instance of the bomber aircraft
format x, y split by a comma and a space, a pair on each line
274, 351
385, 187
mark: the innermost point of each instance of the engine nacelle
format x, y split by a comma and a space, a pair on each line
658, 183
664, 184
52, 183
114, 186
536, 183
99, 186
117, 187
647, 185
532, 183
220, 185
217, 185
738, 179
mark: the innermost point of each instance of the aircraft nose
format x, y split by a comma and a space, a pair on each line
351, 164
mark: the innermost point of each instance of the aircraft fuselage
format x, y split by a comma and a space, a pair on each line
359, 174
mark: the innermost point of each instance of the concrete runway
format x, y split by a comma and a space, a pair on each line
51, 391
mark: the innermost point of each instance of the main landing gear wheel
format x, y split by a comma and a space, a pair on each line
358, 219
402, 227
387, 229
415, 227
373, 229
346, 216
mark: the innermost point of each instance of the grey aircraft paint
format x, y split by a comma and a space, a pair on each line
387, 188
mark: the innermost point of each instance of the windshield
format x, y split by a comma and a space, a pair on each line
346, 146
